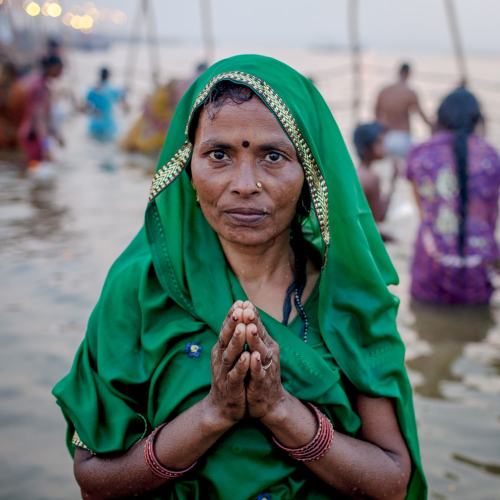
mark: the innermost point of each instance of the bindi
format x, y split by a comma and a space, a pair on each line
245, 144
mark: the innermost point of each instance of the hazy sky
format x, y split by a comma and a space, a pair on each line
408, 24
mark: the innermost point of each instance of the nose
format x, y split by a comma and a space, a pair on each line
244, 182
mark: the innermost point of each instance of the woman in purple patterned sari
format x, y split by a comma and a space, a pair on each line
456, 178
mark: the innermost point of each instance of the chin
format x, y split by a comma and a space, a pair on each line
247, 236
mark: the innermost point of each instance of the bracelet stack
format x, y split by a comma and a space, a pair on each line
154, 464
319, 444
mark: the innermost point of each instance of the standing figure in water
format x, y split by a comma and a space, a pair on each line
34, 103
394, 106
100, 101
369, 143
456, 179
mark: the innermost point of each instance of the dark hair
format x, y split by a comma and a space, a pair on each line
365, 136
460, 112
104, 74
48, 62
404, 69
226, 91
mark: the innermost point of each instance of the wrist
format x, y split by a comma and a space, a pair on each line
279, 413
212, 420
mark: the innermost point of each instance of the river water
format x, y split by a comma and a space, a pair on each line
58, 240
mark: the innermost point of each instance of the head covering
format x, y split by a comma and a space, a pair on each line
365, 136
172, 287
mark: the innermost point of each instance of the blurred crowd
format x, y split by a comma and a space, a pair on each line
454, 174
455, 179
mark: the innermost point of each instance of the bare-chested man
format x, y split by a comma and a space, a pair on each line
395, 104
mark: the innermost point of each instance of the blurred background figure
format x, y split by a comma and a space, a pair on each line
394, 105
456, 179
31, 108
369, 142
8, 76
147, 133
100, 102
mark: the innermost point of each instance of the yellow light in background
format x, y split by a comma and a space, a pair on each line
54, 10
32, 9
86, 22
75, 22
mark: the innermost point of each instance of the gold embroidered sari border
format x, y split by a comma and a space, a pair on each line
170, 170
314, 177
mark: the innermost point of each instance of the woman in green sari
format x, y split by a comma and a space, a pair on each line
244, 345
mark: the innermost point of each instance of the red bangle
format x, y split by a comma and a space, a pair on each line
153, 462
319, 444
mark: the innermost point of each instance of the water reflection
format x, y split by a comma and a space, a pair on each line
29, 208
447, 330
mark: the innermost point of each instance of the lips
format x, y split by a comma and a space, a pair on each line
246, 215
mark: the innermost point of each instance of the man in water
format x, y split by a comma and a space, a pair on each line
369, 143
395, 103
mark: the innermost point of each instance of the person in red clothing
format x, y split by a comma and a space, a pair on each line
34, 96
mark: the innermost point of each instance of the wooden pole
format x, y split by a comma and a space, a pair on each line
456, 39
132, 49
154, 49
353, 21
207, 30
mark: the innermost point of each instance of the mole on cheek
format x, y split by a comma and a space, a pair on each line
245, 144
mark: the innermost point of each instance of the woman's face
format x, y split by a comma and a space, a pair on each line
246, 173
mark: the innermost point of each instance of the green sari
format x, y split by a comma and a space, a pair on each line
171, 289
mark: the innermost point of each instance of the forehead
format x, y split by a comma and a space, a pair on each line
251, 119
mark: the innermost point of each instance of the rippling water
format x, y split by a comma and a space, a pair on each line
58, 241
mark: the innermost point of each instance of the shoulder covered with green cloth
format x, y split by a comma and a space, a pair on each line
146, 354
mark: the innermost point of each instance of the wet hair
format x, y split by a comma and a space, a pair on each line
404, 69
365, 136
104, 74
459, 113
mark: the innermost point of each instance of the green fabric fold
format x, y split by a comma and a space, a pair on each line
172, 287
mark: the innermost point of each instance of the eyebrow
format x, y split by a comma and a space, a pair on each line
216, 144
278, 144
268, 146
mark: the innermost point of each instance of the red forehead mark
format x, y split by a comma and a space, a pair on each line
245, 144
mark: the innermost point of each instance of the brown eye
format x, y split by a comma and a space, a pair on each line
274, 156
217, 155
